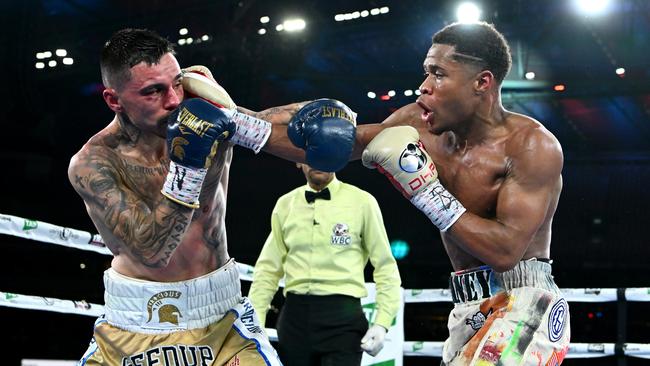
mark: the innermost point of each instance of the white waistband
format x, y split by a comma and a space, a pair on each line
162, 307
478, 284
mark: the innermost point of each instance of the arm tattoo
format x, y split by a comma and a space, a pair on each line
280, 115
151, 231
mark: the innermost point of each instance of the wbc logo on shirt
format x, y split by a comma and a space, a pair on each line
341, 235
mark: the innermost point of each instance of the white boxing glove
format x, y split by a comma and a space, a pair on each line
398, 153
252, 133
198, 82
373, 341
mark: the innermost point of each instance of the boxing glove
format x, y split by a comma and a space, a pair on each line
194, 132
398, 153
198, 83
251, 133
326, 130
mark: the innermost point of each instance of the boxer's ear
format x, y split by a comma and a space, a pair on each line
112, 100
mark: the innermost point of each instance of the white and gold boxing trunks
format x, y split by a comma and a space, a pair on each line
517, 317
202, 321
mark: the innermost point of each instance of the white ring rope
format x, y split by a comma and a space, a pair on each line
53, 234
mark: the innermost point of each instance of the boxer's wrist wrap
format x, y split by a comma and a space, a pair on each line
440, 206
252, 133
183, 184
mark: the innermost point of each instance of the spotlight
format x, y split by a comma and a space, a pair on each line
530, 75
468, 13
592, 7
294, 25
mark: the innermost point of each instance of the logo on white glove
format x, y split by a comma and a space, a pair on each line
412, 160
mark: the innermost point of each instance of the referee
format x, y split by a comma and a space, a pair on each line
322, 235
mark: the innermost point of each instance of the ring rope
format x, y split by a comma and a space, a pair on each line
78, 239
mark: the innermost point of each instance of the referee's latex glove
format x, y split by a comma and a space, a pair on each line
373, 341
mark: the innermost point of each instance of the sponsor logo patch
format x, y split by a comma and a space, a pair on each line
557, 320
164, 310
341, 235
412, 159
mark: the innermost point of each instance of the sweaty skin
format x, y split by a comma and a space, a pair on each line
504, 167
120, 171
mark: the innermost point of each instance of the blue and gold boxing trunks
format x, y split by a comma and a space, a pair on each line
202, 321
517, 317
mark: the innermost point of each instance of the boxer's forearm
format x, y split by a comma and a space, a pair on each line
276, 115
280, 145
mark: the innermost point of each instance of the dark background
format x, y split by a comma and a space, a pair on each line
602, 121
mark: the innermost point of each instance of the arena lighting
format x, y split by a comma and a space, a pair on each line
529, 75
620, 71
361, 14
261, 31
181, 41
40, 65
417, 92
371, 95
384, 97
51, 63
61, 52
400, 249
265, 19
205, 37
408, 92
294, 25
182, 31
279, 27
468, 13
592, 7
391, 93
68, 61
559, 87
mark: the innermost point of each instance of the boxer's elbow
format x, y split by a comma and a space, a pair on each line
504, 264
508, 257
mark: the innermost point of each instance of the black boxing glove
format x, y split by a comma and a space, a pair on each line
326, 130
194, 132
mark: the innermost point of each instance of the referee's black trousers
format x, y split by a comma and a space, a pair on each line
321, 330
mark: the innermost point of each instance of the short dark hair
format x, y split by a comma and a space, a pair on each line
480, 40
127, 48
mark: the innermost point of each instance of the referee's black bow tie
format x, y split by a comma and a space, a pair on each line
312, 196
